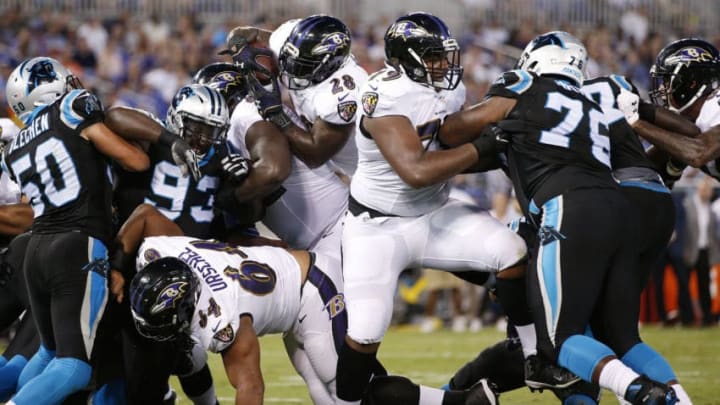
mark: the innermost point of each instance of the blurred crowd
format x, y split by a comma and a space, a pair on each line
141, 62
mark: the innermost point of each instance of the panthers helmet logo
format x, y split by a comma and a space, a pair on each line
331, 43
181, 95
408, 29
169, 296
41, 72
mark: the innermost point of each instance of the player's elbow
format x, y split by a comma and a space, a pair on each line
416, 179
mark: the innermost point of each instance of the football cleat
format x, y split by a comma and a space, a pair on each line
482, 393
644, 391
540, 374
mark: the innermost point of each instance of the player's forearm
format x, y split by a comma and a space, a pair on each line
133, 125
438, 166
262, 181
15, 218
686, 149
675, 123
454, 131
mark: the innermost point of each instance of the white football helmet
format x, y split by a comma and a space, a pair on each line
200, 115
281, 34
555, 53
37, 81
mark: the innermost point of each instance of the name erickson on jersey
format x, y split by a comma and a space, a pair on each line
29, 133
208, 273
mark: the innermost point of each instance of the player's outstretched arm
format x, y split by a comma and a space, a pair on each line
130, 157
242, 365
467, 124
137, 125
401, 145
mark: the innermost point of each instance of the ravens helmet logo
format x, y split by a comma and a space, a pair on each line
169, 296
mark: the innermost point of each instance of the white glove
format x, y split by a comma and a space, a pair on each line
629, 103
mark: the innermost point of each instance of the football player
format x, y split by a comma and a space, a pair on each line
323, 81
60, 161
686, 78
559, 160
261, 290
199, 116
400, 215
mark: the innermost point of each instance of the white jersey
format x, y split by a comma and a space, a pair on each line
375, 183
336, 101
263, 282
314, 199
709, 117
9, 190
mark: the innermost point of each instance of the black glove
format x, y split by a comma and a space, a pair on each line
268, 102
182, 153
6, 271
236, 167
492, 140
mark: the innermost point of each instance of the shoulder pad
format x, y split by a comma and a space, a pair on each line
516, 81
80, 107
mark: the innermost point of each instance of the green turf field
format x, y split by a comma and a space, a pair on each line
431, 359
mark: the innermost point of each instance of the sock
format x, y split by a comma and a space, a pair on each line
393, 389
581, 354
9, 374
36, 365
61, 378
617, 377
511, 294
645, 360
431, 396
683, 397
579, 399
353, 373
528, 339
199, 387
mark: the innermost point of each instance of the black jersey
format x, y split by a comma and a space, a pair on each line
183, 200
627, 150
560, 138
66, 179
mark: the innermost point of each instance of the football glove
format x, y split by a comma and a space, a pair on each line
236, 167
267, 100
629, 104
182, 154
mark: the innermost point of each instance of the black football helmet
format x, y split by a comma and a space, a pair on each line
162, 298
226, 79
684, 71
420, 45
317, 47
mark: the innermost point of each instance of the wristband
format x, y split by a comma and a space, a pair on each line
124, 262
281, 120
166, 137
647, 111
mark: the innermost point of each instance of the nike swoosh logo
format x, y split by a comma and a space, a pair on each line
372, 87
343, 97
302, 318
216, 327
